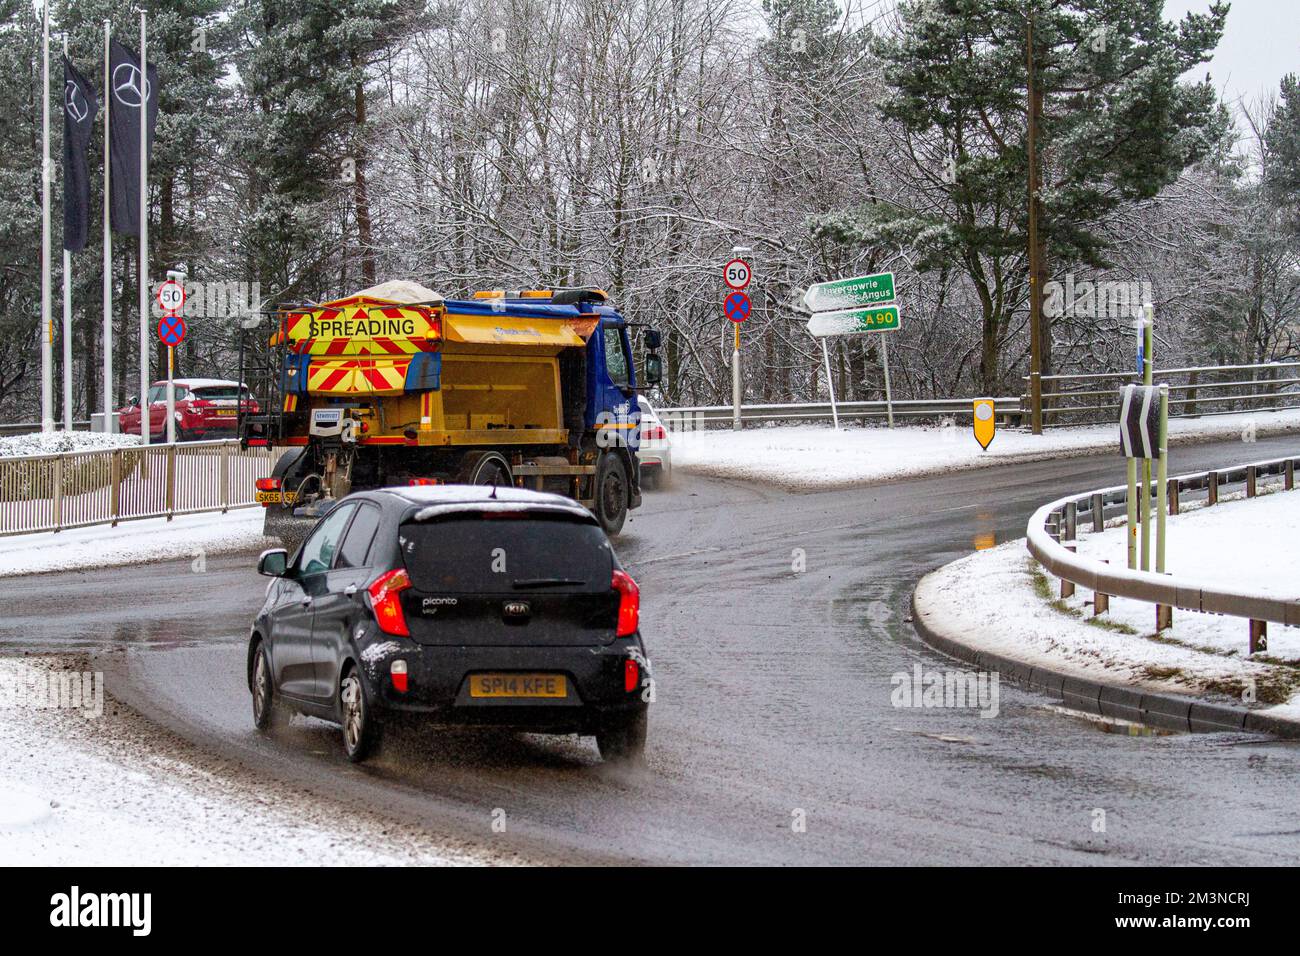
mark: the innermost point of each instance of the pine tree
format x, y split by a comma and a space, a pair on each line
1116, 125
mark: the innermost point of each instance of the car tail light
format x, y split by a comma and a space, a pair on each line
629, 603
654, 433
631, 675
400, 677
267, 484
385, 598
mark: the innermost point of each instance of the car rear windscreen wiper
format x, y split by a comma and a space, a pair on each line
528, 583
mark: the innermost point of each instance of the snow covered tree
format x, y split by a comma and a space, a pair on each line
1115, 124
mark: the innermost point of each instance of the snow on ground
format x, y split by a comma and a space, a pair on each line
80, 790
817, 456
51, 443
132, 542
999, 600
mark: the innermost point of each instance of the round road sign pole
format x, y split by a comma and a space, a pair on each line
171, 394
735, 381
830, 384
889, 398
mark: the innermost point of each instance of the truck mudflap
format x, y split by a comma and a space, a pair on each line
290, 529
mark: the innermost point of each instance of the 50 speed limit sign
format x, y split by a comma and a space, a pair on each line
736, 274
171, 296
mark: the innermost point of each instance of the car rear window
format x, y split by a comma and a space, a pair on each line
497, 554
216, 393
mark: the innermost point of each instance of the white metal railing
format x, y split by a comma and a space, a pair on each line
1053, 528
697, 416
75, 489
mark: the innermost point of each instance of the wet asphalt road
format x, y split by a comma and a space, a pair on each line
773, 701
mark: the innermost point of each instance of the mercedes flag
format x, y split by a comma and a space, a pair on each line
80, 104
127, 89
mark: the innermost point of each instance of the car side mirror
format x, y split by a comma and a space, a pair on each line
133, 401
652, 339
654, 370
273, 562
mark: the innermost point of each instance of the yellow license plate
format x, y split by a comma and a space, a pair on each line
274, 497
225, 411
518, 685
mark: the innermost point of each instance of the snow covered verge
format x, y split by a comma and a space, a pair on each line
84, 790
52, 443
133, 542
1000, 602
817, 456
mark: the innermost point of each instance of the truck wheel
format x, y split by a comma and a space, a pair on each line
485, 468
611, 492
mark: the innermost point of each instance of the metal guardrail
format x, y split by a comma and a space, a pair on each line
699, 415
26, 428
1195, 392
76, 489
1057, 522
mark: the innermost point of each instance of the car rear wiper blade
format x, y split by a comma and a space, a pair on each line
527, 583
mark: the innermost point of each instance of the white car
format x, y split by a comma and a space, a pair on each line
655, 452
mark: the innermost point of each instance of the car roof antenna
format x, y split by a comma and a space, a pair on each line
493, 496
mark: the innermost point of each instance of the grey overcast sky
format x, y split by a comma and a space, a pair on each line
1261, 43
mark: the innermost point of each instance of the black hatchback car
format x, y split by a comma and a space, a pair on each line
459, 604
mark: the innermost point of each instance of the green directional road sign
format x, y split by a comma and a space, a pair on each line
884, 318
847, 293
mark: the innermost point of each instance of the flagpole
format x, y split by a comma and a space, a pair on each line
47, 323
146, 418
67, 308
108, 249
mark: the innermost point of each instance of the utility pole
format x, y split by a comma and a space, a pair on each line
1033, 104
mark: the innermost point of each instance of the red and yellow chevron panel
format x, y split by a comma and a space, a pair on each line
362, 327
357, 377
291, 402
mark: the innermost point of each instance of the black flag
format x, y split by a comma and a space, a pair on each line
80, 104
126, 91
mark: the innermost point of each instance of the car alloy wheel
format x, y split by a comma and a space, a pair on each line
361, 731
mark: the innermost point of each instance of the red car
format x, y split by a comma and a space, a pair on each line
205, 408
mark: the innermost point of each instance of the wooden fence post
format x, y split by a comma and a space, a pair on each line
1258, 636
225, 478
170, 503
115, 486
1100, 601
58, 493
1212, 488
1189, 409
